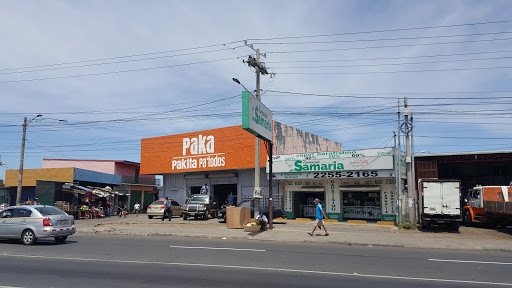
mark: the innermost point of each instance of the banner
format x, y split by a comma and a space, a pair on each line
334, 164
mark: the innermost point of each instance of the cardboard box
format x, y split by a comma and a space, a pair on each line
256, 228
237, 216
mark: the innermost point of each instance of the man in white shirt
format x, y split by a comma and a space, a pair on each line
136, 208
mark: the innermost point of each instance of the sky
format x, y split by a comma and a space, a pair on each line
119, 71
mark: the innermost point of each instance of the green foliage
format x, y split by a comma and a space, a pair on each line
407, 226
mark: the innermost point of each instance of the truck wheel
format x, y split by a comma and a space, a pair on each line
185, 217
425, 225
467, 218
455, 226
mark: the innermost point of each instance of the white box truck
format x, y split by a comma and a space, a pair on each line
441, 203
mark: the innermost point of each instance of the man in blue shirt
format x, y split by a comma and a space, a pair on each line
205, 190
320, 215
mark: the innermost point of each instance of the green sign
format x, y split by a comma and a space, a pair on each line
256, 117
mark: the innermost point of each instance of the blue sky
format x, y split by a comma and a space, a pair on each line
134, 71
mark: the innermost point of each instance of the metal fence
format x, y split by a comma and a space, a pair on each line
276, 200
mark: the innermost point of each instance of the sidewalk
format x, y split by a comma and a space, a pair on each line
468, 238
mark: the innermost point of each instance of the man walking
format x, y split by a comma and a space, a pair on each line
107, 208
168, 208
136, 208
320, 215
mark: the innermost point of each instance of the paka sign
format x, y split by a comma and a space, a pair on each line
256, 117
216, 149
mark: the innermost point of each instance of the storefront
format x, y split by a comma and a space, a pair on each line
350, 184
221, 158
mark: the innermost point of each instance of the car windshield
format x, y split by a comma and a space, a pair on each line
245, 204
199, 199
48, 210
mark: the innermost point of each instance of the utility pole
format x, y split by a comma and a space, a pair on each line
399, 164
270, 200
257, 168
260, 70
414, 181
411, 207
22, 157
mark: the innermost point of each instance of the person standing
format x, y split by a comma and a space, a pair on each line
107, 208
168, 208
136, 208
205, 190
231, 199
320, 216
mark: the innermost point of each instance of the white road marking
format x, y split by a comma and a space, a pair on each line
269, 269
218, 248
467, 261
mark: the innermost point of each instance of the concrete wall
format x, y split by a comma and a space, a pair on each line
289, 140
99, 166
30, 176
129, 170
176, 185
94, 176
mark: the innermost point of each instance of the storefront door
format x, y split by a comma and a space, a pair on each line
303, 203
361, 205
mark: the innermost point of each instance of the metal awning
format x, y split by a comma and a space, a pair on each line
82, 188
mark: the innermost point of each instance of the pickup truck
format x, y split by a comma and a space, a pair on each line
200, 206
276, 212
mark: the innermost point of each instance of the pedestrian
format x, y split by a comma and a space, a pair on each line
320, 215
205, 190
231, 199
136, 208
168, 208
107, 207
263, 221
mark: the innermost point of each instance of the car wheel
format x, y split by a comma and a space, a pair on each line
28, 237
467, 218
150, 217
185, 217
60, 240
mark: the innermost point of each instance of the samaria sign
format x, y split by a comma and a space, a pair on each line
338, 164
256, 117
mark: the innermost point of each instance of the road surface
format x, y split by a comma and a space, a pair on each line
103, 261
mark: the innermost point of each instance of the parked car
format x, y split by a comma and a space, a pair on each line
32, 222
200, 206
157, 208
276, 212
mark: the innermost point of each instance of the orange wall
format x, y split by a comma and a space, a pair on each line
30, 176
224, 148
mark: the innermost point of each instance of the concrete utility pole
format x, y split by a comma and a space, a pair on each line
22, 157
399, 168
257, 146
411, 207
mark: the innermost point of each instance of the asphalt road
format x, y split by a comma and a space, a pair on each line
103, 261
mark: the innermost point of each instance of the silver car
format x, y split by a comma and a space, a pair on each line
32, 222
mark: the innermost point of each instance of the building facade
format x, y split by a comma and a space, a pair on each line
358, 184
223, 159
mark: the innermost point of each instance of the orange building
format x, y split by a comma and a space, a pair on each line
222, 158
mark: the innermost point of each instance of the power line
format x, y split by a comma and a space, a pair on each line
374, 95
119, 57
111, 62
382, 39
394, 72
116, 72
392, 64
383, 30
387, 46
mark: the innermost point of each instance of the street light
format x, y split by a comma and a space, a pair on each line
238, 82
22, 156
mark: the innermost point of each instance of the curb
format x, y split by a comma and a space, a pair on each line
386, 223
359, 222
331, 221
302, 219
